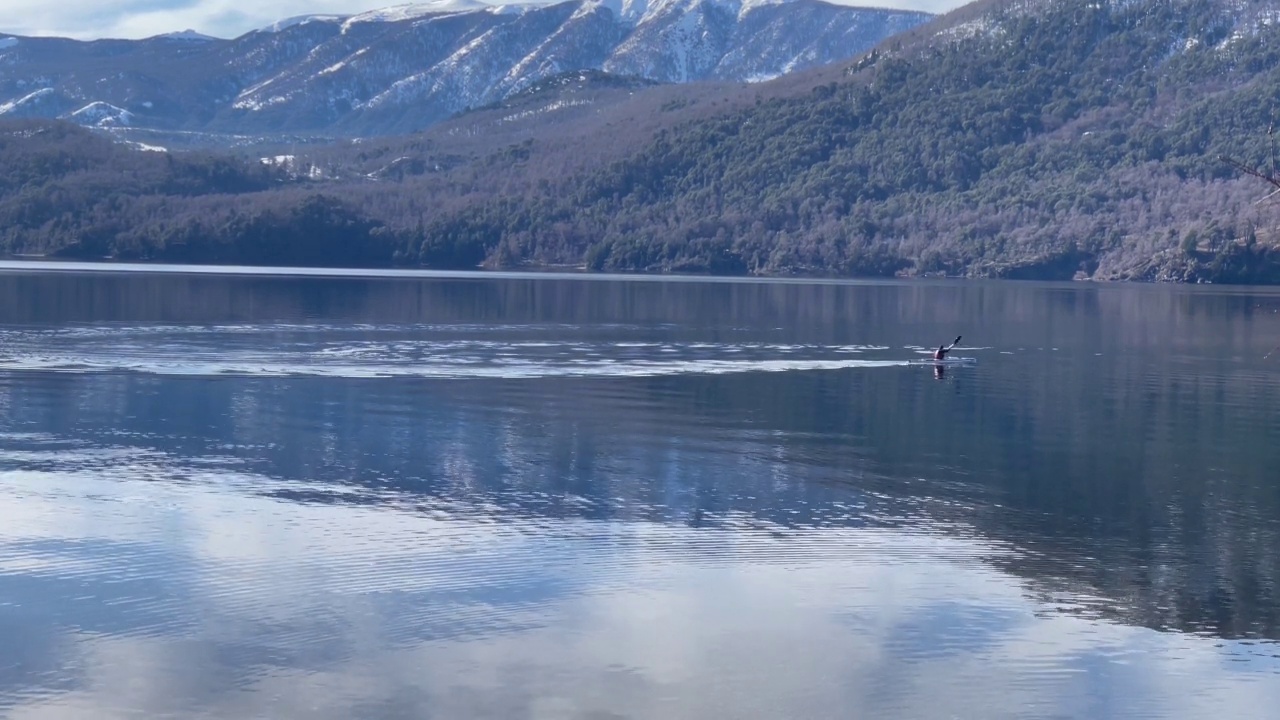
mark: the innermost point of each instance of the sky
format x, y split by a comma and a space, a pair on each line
90, 19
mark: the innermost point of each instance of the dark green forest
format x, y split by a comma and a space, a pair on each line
1051, 140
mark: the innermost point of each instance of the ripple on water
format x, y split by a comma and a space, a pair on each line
397, 351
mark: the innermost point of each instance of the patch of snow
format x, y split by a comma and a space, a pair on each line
549, 107
398, 90
1231, 39
762, 77
973, 28
807, 57
1249, 21
24, 100
101, 114
413, 85
376, 174
638, 11
509, 9
278, 160
256, 105
748, 5
300, 20
631, 10
147, 104
253, 90
413, 11
147, 148
188, 34
289, 163
248, 99
7, 42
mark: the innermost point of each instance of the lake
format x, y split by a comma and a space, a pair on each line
488, 496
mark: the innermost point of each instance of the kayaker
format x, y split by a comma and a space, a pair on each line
941, 352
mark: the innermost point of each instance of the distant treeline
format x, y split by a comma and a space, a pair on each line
1080, 140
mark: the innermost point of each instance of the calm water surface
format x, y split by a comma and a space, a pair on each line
488, 497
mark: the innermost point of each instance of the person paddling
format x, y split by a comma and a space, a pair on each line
941, 352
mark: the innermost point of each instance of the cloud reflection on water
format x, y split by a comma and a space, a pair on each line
210, 599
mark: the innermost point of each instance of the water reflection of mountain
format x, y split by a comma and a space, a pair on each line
1145, 481
1008, 313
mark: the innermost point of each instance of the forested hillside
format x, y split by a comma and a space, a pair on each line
65, 191
1041, 139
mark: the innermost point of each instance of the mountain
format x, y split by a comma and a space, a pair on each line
403, 68
1047, 139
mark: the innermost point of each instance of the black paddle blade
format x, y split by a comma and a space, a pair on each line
957, 342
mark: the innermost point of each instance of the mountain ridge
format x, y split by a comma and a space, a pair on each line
402, 68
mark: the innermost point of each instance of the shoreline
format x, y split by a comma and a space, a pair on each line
30, 264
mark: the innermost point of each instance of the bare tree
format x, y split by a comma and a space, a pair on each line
1266, 174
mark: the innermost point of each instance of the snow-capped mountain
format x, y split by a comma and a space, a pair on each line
408, 66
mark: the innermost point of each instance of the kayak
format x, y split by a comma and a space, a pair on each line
945, 361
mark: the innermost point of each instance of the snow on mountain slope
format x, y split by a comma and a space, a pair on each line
585, 40
188, 35
27, 104
285, 24
101, 114
407, 66
400, 13
676, 41
472, 74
